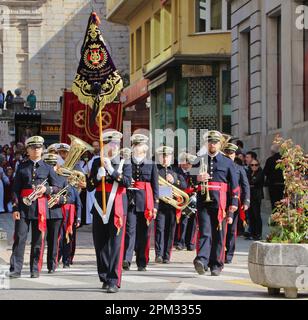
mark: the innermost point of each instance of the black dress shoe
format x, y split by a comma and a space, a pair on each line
159, 259
215, 272
199, 267
35, 275
14, 275
179, 248
105, 286
66, 266
112, 289
126, 265
51, 271
142, 269
166, 261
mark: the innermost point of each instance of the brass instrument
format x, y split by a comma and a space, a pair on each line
74, 180
77, 149
34, 195
179, 199
204, 185
191, 208
224, 141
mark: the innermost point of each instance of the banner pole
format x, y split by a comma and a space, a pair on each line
102, 161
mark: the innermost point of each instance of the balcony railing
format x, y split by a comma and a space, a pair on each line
48, 106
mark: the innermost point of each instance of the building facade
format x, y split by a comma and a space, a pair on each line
40, 43
269, 72
182, 49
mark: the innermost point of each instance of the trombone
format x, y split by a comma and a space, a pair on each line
34, 195
204, 185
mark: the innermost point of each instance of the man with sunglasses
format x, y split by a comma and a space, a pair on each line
244, 202
30, 173
213, 216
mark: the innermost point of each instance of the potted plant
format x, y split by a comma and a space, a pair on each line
282, 260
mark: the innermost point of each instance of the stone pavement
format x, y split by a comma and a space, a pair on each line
177, 281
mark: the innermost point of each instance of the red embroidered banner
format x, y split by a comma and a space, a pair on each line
76, 119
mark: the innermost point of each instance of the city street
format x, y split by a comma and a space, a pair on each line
177, 281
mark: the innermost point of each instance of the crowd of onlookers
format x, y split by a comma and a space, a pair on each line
258, 179
7, 100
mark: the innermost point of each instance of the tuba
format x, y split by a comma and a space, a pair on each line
77, 149
179, 199
224, 141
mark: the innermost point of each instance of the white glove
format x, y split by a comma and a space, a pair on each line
108, 166
101, 173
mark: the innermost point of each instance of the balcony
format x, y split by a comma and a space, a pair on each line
118, 11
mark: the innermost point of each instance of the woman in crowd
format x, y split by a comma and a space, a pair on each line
256, 181
3, 181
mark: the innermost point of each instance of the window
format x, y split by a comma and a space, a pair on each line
138, 48
279, 114
167, 26
216, 14
147, 41
157, 34
213, 15
132, 53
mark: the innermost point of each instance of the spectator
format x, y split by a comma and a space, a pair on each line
256, 181
2, 98
31, 100
250, 155
240, 158
8, 190
274, 177
9, 100
3, 181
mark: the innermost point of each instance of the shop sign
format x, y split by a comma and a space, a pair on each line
196, 71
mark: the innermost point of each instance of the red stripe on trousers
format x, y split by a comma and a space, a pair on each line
121, 254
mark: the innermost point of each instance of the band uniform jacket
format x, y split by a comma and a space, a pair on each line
244, 185
145, 171
221, 170
26, 176
124, 179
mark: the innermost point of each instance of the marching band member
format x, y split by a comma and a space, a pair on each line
167, 215
63, 151
54, 220
33, 172
212, 215
109, 226
244, 202
143, 204
186, 232
71, 210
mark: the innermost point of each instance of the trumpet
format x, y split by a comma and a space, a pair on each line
204, 185
34, 195
73, 180
179, 199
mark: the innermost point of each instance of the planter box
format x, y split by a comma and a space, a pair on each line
276, 266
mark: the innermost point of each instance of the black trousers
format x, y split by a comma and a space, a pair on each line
109, 249
185, 233
165, 225
276, 194
73, 243
65, 243
231, 237
211, 239
255, 220
137, 237
37, 246
53, 238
